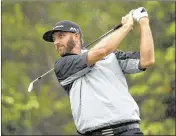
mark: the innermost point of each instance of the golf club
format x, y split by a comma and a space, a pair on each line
31, 84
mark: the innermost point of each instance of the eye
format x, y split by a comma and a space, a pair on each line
62, 34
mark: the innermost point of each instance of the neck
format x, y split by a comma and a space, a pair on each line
76, 50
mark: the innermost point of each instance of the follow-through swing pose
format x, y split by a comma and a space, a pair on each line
95, 81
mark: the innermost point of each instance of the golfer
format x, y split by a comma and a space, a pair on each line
94, 79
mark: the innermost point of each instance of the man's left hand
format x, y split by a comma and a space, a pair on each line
139, 13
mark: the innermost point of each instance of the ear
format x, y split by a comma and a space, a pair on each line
77, 37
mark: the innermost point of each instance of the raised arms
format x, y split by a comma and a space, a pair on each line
110, 42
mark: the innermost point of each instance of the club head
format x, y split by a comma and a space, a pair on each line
30, 87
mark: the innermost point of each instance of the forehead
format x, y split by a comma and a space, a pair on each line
60, 32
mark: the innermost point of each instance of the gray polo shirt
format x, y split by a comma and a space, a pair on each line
99, 94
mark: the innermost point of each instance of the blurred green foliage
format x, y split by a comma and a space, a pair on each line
25, 56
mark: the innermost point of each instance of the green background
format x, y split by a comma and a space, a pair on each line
25, 56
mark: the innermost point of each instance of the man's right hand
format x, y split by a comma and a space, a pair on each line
128, 20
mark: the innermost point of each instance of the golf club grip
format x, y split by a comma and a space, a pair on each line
118, 26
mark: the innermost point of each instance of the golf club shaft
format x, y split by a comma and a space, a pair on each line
116, 27
43, 75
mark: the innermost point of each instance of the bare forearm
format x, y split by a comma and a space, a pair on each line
112, 41
107, 45
146, 44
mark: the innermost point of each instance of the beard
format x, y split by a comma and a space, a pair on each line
70, 46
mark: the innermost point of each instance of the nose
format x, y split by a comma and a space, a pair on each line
56, 41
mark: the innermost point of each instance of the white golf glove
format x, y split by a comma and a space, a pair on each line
139, 13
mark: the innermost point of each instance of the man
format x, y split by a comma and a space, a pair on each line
95, 81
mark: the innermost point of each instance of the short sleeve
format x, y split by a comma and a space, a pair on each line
129, 61
69, 65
